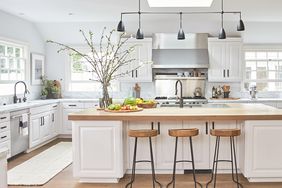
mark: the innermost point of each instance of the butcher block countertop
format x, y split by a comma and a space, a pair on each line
208, 112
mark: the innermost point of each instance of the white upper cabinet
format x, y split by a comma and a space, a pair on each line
139, 70
225, 58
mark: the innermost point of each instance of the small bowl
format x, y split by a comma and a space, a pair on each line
143, 105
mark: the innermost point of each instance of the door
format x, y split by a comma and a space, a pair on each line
217, 61
165, 146
201, 145
233, 61
45, 128
224, 148
34, 136
143, 149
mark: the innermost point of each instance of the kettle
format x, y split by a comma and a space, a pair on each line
198, 92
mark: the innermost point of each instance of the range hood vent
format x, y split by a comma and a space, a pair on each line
168, 52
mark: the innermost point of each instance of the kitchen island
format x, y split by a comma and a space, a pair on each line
103, 152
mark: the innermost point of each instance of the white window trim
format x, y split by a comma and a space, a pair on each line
25, 45
68, 73
257, 47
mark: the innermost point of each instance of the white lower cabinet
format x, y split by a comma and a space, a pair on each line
263, 152
143, 148
3, 168
43, 124
97, 148
201, 145
224, 145
40, 129
67, 127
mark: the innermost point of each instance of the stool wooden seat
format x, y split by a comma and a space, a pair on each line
142, 133
183, 132
225, 132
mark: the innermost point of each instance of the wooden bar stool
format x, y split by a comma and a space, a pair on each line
146, 133
231, 133
184, 133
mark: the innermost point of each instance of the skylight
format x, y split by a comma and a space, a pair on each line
180, 3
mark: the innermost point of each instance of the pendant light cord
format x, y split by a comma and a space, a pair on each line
222, 12
139, 12
180, 20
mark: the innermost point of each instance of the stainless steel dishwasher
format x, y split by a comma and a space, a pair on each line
19, 141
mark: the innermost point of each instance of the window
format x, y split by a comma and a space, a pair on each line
81, 78
263, 68
13, 60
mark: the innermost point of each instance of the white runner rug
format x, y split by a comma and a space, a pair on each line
43, 167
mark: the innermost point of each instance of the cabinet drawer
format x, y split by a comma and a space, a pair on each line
91, 105
4, 117
73, 105
5, 136
6, 145
5, 126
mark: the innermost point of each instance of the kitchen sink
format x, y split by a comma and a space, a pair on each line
197, 105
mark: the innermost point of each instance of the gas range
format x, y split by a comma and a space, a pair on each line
188, 101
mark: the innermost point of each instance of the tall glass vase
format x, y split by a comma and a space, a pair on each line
105, 101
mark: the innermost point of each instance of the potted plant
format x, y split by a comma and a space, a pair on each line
106, 59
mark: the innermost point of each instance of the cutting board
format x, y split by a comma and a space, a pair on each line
231, 98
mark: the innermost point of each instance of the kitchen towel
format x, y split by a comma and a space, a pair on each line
24, 125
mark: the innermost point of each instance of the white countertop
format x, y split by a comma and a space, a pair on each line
35, 103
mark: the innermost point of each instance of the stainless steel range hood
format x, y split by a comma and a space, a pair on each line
168, 52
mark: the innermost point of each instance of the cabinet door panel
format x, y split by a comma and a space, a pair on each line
143, 149
67, 126
34, 137
217, 61
201, 145
233, 61
224, 148
166, 145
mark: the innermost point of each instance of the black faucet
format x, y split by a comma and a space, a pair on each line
16, 99
181, 103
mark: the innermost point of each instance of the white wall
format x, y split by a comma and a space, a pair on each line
15, 28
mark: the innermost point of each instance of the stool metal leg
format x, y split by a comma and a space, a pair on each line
133, 165
215, 171
193, 164
215, 158
234, 162
174, 164
152, 164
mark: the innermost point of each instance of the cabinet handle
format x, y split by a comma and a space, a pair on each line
159, 128
212, 125
3, 117
53, 117
136, 72
152, 125
227, 72
3, 127
224, 73
55, 106
72, 104
207, 127
43, 120
3, 137
40, 121
132, 74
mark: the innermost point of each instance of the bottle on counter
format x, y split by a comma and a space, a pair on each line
136, 91
213, 92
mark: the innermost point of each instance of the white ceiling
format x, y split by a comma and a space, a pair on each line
40, 11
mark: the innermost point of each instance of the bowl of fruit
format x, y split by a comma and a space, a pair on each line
146, 103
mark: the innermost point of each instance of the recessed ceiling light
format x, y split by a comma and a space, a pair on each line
71, 14
180, 3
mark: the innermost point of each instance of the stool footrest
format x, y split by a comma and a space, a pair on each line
227, 161
183, 161
143, 161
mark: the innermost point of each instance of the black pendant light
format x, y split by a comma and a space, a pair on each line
181, 34
139, 34
120, 27
222, 34
241, 26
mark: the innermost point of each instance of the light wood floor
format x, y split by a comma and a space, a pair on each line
65, 180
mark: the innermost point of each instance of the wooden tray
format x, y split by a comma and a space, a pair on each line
142, 105
123, 111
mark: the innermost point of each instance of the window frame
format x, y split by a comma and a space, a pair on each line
25, 46
68, 73
256, 48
